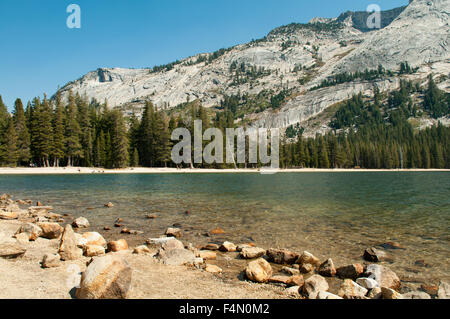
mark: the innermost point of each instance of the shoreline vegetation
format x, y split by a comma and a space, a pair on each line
147, 170
43, 253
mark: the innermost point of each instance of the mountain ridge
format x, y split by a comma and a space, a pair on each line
297, 57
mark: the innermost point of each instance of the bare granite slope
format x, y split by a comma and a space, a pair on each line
420, 35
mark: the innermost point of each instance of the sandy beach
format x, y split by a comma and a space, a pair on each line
145, 170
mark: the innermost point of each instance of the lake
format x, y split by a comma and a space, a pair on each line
335, 215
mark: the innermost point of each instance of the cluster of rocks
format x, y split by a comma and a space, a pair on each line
108, 275
306, 276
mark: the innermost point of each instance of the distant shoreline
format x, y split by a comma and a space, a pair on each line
142, 170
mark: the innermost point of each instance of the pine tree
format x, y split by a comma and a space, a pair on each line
146, 135
59, 142
10, 153
119, 139
72, 132
23, 136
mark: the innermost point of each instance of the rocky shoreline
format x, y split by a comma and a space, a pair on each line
109, 268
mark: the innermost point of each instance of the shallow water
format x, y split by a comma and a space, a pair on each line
334, 215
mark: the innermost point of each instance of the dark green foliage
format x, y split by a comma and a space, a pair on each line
23, 136
293, 131
436, 102
367, 75
359, 18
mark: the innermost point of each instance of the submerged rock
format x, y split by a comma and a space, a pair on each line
308, 258
375, 255
213, 269
107, 277
207, 255
228, 247
252, 252
389, 293
416, 295
282, 256
350, 271
327, 268
174, 232
211, 247
258, 270
217, 231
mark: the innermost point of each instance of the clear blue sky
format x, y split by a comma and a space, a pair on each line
38, 52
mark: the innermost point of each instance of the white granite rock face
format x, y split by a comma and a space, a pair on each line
419, 35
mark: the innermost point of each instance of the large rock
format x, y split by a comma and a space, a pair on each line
375, 293
8, 215
94, 238
282, 256
174, 232
141, 250
176, 257
258, 270
80, 222
117, 245
279, 279
307, 268
375, 255
351, 290
207, 255
68, 246
51, 230
313, 285
172, 244
51, 261
444, 290
296, 280
213, 269
308, 258
93, 250
383, 276
367, 283
107, 277
389, 293
252, 252
228, 247
327, 268
11, 251
350, 272
31, 230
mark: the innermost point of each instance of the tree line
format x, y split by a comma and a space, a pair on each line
367, 134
